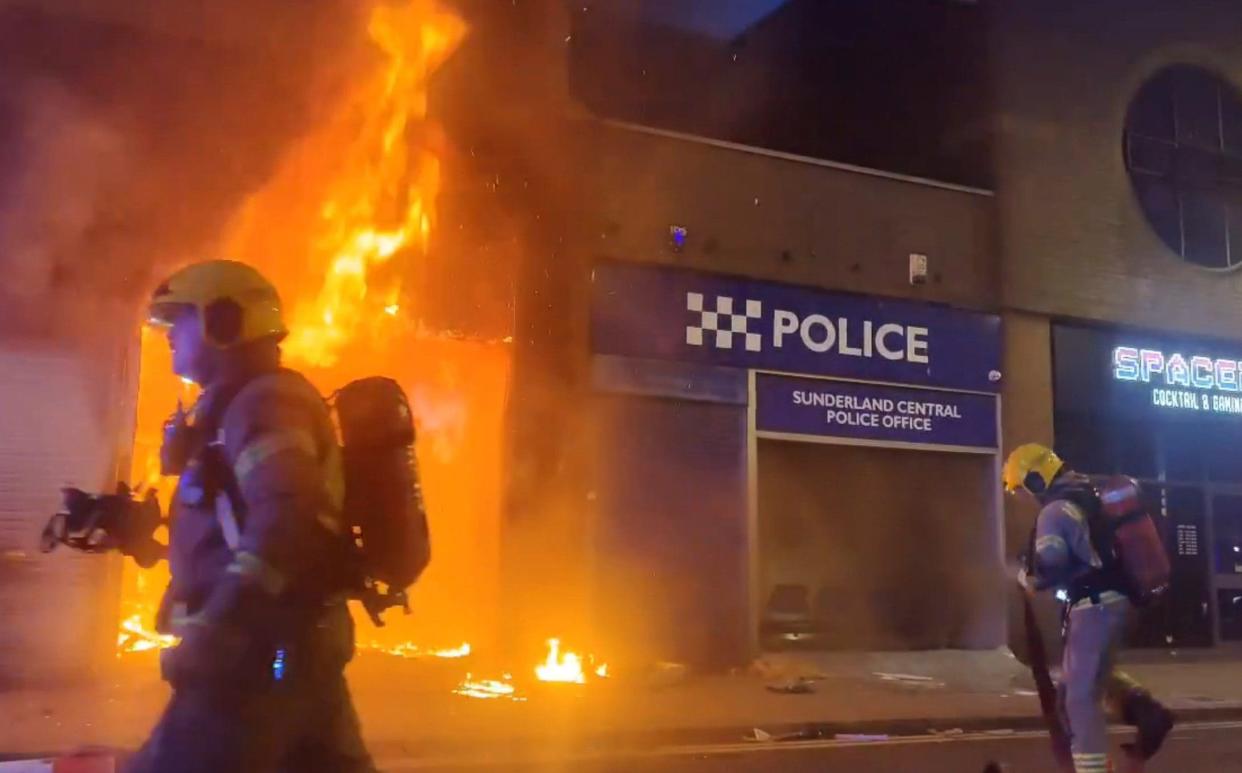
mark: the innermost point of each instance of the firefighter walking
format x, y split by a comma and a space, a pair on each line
1073, 550
257, 547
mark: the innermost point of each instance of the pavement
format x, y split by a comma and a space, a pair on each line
410, 713
1191, 747
1206, 747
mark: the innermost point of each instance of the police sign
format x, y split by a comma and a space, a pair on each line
789, 405
672, 314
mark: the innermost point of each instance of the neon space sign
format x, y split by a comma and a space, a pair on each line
1193, 383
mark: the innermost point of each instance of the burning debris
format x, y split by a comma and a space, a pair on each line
136, 637
557, 668
565, 668
487, 689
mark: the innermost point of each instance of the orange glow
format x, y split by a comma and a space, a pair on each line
158, 394
343, 228
363, 187
411, 650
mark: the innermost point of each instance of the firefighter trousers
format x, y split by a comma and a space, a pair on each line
1090, 679
304, 727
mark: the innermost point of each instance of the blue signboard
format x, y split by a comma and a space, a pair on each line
661, 378
672, 314
808, 406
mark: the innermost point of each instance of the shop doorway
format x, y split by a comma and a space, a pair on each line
881, 549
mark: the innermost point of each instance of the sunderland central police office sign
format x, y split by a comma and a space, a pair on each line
670, 314
790, 405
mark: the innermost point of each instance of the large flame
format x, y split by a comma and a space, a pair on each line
342, 228
364, 185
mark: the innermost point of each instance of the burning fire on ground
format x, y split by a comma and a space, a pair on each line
557, 667
487, 689
135, 637
565, 667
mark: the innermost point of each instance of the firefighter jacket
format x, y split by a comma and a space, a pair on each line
257, 545
1067, 555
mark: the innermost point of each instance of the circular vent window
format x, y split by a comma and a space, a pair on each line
1183, 150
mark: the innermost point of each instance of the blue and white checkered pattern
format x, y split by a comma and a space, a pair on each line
724, 323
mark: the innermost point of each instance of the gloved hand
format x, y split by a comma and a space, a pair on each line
179, 441
208, 656
1026, 580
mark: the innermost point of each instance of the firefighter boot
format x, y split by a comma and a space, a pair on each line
1152, 720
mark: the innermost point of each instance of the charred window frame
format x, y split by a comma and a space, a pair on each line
1183, 150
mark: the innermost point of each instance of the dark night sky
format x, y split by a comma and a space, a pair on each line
898, 85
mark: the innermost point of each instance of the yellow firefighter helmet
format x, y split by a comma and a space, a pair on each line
235, 303
1031, 466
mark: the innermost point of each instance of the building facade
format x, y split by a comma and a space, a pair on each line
736, 477
779, 302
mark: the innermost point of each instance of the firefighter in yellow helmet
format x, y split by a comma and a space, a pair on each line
1067, 554
257, 549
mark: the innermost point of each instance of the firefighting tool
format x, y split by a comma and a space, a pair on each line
98, 523
1031, 466
234, 303
1049, 707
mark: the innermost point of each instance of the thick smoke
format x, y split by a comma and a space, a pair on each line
133, 132
57, 193
130, 133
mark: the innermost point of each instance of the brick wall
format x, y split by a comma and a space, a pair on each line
788, 220
1073, 239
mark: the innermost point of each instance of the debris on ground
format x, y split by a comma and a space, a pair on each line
785, 668
910, 680
666, 674
800, 686
758, 735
